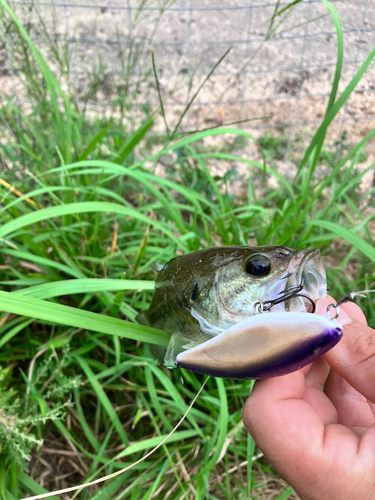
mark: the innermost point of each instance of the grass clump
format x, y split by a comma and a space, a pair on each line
84, 215
24, 415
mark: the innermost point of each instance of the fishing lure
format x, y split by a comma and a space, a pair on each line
264, 346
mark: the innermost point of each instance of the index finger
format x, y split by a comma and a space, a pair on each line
354, 356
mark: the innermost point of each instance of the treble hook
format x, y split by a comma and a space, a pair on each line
288, 293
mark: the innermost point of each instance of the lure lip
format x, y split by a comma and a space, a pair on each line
241, 351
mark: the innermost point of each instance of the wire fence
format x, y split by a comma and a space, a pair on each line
277, 75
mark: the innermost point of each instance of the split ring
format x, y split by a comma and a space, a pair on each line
258, 308
336, 306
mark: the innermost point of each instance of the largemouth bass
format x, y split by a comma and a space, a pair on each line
200, 295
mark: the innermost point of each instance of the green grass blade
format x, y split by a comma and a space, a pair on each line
103, 398
57, 313
249, 457
336, 107
159, 95
284, 9
85, 426
155, 400
42, 261
285, 494
348, 235
222, 426
83, 207
340, 54
32, 485
96, 140
89, 285
177, 436
134, 140
205, 80
13, 332
335, 84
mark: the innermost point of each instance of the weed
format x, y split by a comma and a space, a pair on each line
23, 416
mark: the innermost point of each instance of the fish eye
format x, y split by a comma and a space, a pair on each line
258, 265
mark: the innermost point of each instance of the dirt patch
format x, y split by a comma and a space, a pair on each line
283, 84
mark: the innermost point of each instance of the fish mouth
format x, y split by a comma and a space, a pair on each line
306, 270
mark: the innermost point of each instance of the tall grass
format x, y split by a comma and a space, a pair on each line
83, 218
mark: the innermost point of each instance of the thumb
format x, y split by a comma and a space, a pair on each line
354, 356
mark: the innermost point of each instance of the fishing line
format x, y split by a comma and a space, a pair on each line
351, 296
119, 472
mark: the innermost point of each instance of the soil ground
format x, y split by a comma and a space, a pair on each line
285, 81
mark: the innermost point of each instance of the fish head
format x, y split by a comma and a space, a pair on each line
277, 342
263, 274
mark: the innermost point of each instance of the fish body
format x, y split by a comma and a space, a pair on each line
200, 295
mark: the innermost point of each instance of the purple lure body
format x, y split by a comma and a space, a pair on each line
264, 346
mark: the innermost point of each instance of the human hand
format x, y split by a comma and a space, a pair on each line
323, 443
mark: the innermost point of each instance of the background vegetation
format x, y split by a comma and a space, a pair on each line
87, 206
